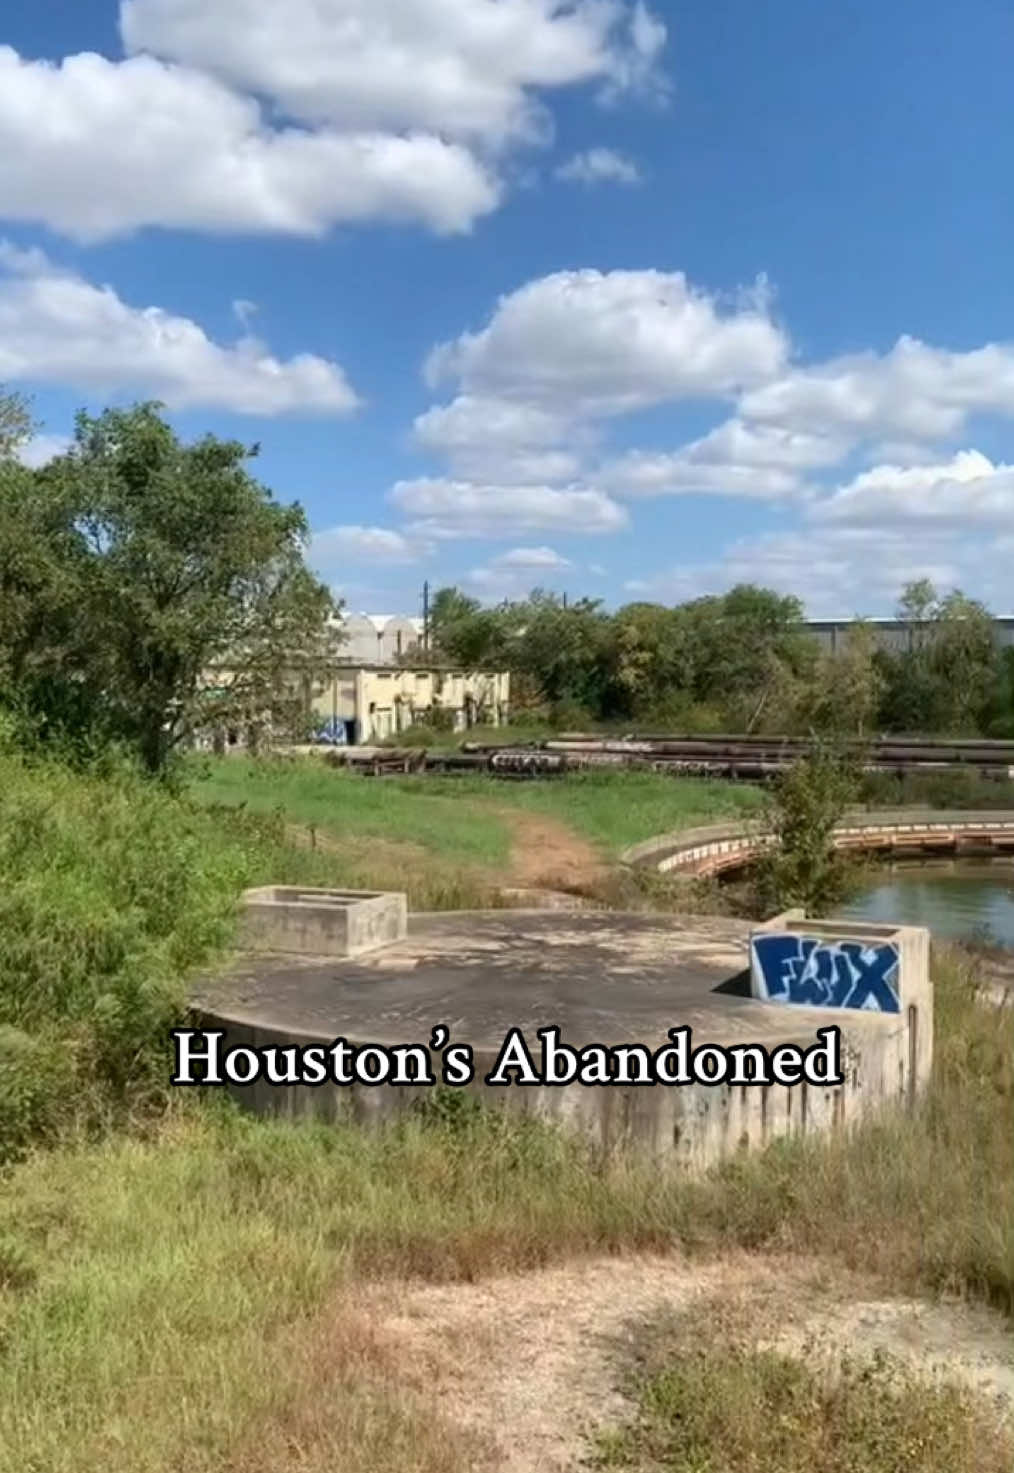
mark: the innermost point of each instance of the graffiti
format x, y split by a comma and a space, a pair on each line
832, 974
332, 733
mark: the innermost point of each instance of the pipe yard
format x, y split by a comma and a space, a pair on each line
744, 758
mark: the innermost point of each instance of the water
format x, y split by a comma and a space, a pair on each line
963, 899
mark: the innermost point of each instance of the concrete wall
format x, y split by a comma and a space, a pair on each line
694, 1126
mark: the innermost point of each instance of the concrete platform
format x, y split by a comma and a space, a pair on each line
611, 979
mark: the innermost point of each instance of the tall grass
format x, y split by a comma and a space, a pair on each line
462, 817
113, 892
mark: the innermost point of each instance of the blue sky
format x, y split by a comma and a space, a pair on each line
627, 300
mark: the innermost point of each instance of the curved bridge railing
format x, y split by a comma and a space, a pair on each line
717, 847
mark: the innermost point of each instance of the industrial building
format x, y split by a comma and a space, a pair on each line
360, 703
893, 634
379, 639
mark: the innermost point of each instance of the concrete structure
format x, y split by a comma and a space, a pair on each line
365, 703
286, 918
879, 969
605, 979
893, 634
720, 847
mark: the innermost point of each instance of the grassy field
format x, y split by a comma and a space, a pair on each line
188, 1296
611, 809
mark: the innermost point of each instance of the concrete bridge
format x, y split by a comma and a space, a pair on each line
904, 831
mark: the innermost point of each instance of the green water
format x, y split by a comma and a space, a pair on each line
957, 898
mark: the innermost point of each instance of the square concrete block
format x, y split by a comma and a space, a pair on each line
289, 918
857, 964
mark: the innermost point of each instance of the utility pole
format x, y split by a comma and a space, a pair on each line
426, 616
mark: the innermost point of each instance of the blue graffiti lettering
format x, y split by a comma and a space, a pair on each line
840, 974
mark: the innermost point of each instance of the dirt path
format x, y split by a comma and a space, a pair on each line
530, 1365
547, 855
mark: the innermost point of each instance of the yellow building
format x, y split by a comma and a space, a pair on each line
363, 703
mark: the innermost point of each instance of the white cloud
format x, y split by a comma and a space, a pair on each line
531, 559
458, 68
646, 474
41, 449
447, 509
599, 166
592, 343
967, 490
291, 119
336, 548
558, 358
637, 69
562, 356
496, 439
95, 149
915, 392
515, 572
56, 327
735, 459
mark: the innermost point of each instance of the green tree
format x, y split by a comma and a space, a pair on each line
802, 866
964, 661
947, 673
751, 655
466, 633
191, 598
651, 664
565, 648
843, 698
16, 423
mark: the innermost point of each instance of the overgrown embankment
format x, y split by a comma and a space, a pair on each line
112, 892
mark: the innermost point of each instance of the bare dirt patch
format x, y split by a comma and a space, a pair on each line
533, 1364
547, 855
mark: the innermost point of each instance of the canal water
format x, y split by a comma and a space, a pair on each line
961, 899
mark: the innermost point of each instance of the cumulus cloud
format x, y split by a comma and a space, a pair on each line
335, 548
469, 69
295, 118
915, 392
95, 149
513, 443
448, 509
56, 327
531, 559
540, 385
735, 459
565, 354
968, 489
517, 571
586, 343
599, 166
